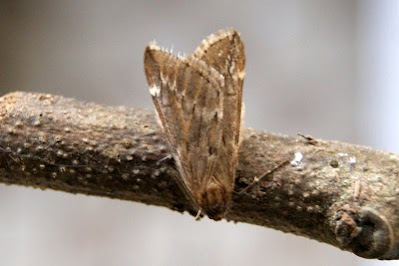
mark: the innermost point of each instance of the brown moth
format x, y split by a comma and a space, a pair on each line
198, 99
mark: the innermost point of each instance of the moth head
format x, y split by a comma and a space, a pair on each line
214, 201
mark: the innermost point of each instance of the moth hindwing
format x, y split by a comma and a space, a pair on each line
198, 99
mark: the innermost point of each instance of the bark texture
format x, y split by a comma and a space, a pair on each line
337, 193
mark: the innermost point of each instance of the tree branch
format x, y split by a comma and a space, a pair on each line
337, 193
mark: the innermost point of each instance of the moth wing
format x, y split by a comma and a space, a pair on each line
159, 69
188, 97
224, 51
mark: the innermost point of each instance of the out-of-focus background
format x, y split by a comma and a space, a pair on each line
324, 68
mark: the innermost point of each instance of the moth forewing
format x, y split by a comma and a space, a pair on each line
198, 101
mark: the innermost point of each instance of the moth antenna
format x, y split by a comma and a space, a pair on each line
269, 172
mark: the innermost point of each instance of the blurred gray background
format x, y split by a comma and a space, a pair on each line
324, 68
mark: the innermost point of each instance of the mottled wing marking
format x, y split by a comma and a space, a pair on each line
197, 107
187, 95
224, 51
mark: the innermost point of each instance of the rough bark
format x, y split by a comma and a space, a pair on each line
337, 193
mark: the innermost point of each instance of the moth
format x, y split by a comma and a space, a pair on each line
198, 99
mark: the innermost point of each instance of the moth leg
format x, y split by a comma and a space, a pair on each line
269, 172
167, 157
199, 215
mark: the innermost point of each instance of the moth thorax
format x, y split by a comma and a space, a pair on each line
214, 199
